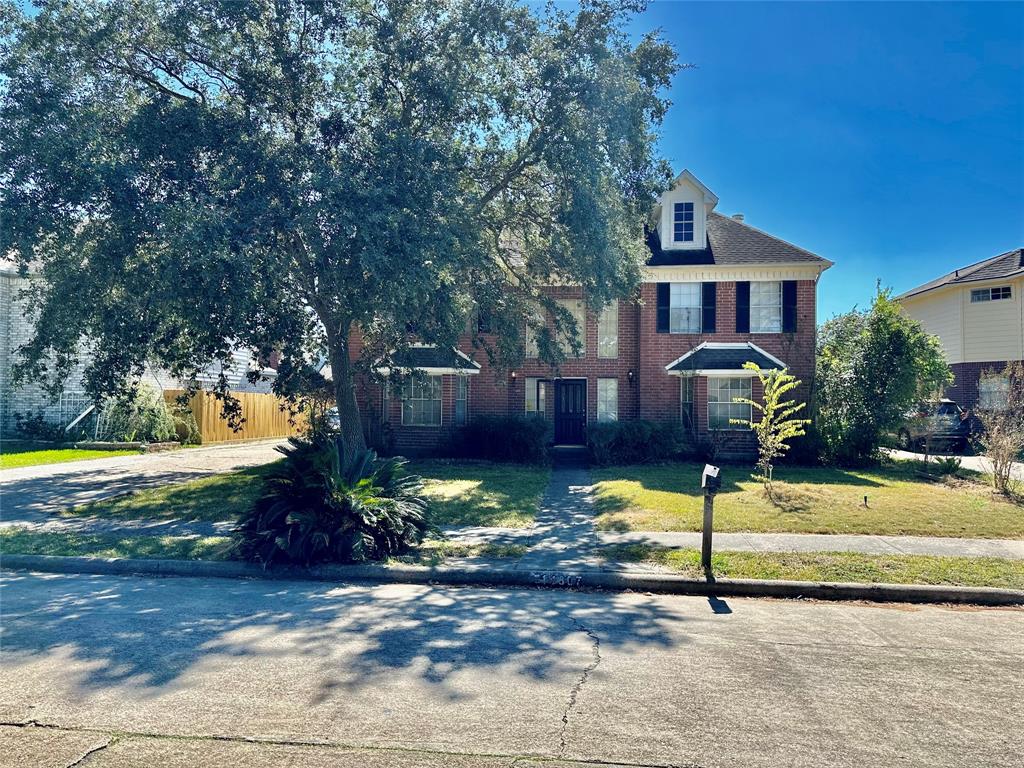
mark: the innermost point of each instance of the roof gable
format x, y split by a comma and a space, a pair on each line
733, 243
1003, 266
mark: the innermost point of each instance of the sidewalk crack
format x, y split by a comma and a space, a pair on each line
578, 685
91, 752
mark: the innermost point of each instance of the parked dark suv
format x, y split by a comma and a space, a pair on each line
943, 423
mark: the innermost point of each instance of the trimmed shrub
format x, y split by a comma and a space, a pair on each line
633, 442
518, 439
316, 508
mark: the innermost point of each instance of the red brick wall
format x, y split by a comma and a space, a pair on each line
965, 383
653, 393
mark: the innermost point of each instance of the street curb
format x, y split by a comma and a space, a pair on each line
497, 576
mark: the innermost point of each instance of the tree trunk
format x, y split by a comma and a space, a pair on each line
345, 394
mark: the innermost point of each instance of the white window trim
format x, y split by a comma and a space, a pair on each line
730, 427
537, 380
612, 307
440, 421
699, 307
598, 408
692, 222
987, 293
752, 307
456, 384
570, 306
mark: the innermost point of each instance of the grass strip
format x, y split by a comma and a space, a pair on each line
831, 566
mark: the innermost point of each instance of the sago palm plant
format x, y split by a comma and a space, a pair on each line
316, 508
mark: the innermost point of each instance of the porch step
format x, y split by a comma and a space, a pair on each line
569, 456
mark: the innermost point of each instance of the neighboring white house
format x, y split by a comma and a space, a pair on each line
978, 314
16, 329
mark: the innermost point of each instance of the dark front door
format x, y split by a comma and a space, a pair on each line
570, 411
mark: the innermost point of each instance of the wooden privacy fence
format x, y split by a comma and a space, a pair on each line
263, 416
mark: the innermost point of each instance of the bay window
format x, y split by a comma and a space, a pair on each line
421, 402
721, 408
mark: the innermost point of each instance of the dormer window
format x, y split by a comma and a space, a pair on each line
682, 223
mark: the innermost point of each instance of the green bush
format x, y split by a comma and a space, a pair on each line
316, 508
139, 415
185, 427
34, 426
518, 439
633, 442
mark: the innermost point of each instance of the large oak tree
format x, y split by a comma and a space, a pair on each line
188, 177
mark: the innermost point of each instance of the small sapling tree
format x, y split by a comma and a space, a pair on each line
776, 427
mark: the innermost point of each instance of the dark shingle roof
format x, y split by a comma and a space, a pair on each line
722, 357
434, 358
1005, 265
732, 242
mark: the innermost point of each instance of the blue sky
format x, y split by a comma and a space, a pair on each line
886, 137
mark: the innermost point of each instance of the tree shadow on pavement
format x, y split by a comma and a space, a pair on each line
148, 633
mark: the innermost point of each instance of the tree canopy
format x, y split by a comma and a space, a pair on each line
873, 366
189, 177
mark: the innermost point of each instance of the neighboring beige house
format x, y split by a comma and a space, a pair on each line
31, 398
978, 314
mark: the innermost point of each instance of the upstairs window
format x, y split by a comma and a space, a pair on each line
991, 294
578, 310
766, 307
684, 308
608, 331
682, 223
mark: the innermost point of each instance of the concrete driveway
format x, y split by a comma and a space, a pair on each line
195, 672
975, 463
33, 494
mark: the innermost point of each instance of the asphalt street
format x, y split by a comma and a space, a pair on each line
193, 672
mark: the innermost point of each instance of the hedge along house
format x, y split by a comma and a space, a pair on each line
716, 293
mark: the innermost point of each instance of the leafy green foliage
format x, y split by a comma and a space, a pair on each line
1002, 427
191, 179
776, 425
319, 506
517, 439
632, 442
139, 415
872, 367
35, 426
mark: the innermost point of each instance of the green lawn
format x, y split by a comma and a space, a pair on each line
20, 541
467, 493
808, 500
460, 493
220, 497
833, 566
14, 454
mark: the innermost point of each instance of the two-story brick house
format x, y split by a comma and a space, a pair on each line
716, 293
977, 312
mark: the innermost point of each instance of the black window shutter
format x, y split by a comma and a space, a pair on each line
662, 309
743, 307
789, 306
708, 305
